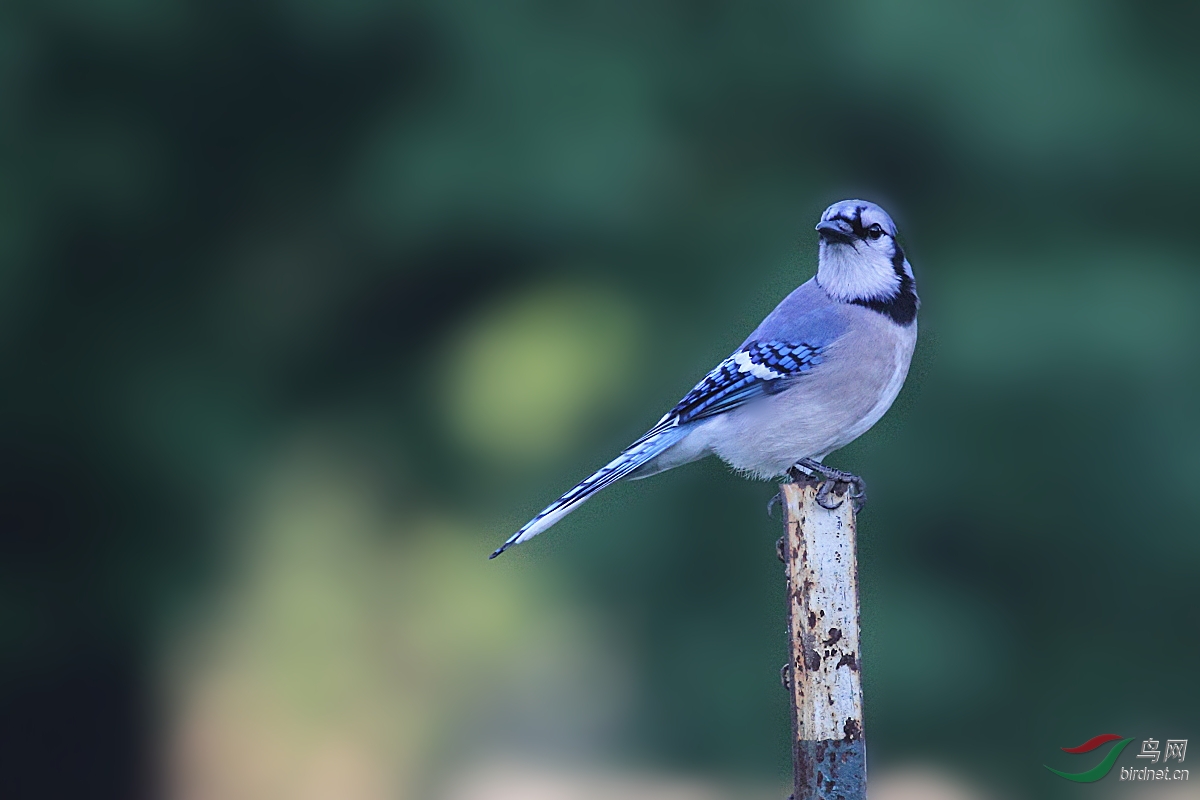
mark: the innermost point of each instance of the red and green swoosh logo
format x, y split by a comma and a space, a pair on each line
1100, 770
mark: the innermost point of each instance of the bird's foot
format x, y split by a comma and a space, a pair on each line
856, 488
774, 501
796, 474
779, 545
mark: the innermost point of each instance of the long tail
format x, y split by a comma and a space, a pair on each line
634, 456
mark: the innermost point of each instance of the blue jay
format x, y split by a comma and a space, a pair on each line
819, 371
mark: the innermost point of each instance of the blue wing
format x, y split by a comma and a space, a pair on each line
757, 368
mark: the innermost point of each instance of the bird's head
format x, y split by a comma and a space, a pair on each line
860, 259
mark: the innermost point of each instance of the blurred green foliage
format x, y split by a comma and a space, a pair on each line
474, 248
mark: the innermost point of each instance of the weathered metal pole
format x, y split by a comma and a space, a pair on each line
829, 751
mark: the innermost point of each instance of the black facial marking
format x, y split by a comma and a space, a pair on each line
898, 262
854, 222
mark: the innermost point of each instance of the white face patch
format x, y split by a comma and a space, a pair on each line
863, 272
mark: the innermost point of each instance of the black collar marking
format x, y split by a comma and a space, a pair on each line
902, 306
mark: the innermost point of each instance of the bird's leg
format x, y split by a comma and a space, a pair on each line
800, 474
857, 488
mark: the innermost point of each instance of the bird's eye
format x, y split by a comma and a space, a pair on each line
875, 231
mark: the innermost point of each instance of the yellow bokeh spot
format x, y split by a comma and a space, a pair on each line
529, 373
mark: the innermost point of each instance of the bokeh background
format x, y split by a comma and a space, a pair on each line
306, 305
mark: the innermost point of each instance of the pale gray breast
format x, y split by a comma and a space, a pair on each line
870, 364
858, 379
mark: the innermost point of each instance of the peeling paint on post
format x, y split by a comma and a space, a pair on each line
829, 750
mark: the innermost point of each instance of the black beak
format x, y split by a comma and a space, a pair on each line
836, 231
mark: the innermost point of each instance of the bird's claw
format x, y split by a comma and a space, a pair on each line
858, 494
771, 505
779, 545
823, 493
849, 484
853, 490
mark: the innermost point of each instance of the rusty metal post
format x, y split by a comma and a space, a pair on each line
829, 751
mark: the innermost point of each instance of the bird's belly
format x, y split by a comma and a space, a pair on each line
819, 414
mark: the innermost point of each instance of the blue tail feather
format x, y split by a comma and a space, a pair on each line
634, 456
